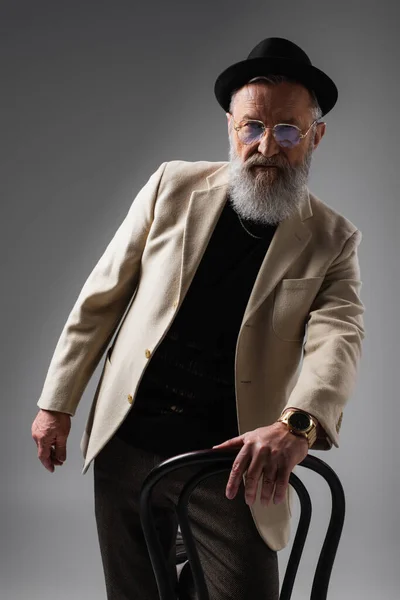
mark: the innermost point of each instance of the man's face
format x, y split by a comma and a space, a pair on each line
267, 181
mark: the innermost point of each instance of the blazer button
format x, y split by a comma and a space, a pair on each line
148, 353
130, 398
175, 304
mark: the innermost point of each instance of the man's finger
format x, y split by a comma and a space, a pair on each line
238, 468
55, 460
233, 442
282, 482
44, 455
269, 476
60, 450
252, 478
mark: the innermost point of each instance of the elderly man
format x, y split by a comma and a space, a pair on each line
236, 293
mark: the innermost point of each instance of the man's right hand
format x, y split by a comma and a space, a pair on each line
50, 430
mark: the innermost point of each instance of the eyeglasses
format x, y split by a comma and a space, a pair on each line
284, 134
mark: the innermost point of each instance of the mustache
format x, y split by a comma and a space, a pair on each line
262, 161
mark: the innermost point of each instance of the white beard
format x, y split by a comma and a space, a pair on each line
267, 196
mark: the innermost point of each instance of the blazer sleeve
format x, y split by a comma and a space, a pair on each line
333, 346
100, 305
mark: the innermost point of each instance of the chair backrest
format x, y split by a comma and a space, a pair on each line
216, 461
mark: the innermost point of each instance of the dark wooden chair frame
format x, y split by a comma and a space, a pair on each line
217, 461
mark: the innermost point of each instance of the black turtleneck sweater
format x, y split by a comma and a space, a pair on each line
186, 398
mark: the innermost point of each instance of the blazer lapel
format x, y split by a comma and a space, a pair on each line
290, 238
204, 210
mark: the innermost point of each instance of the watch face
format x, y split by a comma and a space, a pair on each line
299, 421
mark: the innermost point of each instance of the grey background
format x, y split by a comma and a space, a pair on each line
94, 96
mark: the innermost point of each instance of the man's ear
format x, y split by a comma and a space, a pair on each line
229, 118
319, 134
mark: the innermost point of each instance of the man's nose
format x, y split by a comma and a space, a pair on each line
267, 146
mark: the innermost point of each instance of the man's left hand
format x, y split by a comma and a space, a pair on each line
269, 452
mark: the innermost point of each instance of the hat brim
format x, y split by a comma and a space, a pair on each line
237, 75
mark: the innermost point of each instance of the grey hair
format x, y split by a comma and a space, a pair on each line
316, 111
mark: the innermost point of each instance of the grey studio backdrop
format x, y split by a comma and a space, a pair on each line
94, 97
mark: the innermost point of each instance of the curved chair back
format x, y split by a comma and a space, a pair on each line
216, 461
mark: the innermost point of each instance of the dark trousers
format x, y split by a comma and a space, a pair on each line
237, 563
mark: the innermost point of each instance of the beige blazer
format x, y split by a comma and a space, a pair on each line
305, 297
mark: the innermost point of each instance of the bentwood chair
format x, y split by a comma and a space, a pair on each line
216, 461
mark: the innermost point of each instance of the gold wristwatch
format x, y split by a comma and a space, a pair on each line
300, 423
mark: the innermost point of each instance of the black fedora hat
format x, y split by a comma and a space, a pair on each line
276, 56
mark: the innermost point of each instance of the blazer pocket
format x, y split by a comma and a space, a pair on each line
292, 302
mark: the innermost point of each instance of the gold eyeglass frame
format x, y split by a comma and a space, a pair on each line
239, 126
